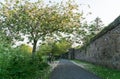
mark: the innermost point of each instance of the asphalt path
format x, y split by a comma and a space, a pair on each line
68, 70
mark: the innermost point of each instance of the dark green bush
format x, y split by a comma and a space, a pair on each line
15, 64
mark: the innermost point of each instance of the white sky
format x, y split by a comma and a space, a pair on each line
107, 10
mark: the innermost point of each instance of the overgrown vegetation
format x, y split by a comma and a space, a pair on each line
103, 72
15, 64
55, 48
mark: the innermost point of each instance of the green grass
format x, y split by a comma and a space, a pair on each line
103, 72
45, 74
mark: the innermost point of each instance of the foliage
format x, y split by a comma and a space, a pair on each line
96, 25
55, 48
37, 19
15, 64
44, 49
62, 47
91, 30
25, 48
103, 72
4, 37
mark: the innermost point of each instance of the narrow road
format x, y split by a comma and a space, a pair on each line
68, 70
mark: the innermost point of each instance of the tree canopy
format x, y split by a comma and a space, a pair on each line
55, 48
37, 19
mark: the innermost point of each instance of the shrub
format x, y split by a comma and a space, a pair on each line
15, 64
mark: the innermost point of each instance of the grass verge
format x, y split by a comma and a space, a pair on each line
103, 72
45, 74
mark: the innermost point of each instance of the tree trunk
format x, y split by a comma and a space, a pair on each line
34, 48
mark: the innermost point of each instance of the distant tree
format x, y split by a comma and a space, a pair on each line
44, 49
55, 48
96, 25
25, 48
87, 31
37, 19
93, 29
62, 47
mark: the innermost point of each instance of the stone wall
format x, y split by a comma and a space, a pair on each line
104, 49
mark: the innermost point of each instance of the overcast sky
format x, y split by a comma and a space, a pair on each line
107, 10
